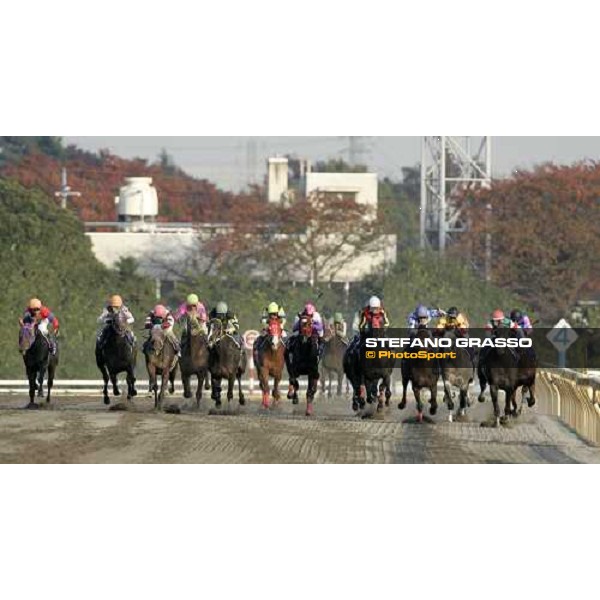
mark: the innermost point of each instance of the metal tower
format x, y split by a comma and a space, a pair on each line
449, 165
65, 190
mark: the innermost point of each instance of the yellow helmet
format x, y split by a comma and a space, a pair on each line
273, 308
115, 301
35, 303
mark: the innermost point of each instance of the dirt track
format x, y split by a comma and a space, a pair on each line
82, 430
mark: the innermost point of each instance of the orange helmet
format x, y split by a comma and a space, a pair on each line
35, 303
115, 301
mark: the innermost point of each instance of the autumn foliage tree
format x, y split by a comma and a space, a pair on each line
545, 234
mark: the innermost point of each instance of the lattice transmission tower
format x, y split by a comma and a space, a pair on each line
449, 166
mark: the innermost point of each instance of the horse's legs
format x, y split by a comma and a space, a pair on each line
405, 379
482, 384
172, 376
313, 383
230, 386
241, 396
494, 394
50, 384
433, 403
115, 384
276, 394
216, 390
40, 381
532, 399
510, 401
417, 393
263, 378
32, 377
131, 391
186, 381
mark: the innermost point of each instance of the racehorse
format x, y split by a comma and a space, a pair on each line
161, 360
370, 378
458, 373
422, 374
332, 363
499, 367
226, 360
302, 358
118, 355
269, 358
38, 359
194, 360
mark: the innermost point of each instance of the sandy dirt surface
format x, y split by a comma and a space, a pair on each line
83, 430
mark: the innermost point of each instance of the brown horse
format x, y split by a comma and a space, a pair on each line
269, 357
194, 360
161, 359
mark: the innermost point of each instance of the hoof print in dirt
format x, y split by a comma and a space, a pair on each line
173, 409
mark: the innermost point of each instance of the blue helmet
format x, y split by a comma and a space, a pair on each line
422, 312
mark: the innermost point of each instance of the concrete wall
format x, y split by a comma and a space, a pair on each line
365, 185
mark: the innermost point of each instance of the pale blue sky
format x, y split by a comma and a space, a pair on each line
232, 162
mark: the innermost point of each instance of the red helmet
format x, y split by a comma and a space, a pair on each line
45, 313
160, 311
497, 315
310, 309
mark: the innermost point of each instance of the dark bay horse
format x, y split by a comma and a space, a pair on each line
161, 361
118, 355
38, 360
422, 374
226, 360
370, 378
332, 363
302, 358
194, 360
499, 368
269, 358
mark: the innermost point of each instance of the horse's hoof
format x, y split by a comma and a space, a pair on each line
187, 395
295, 401
530, 402
355, 406
106, 400
402, 405
433, 409
32, 406
133, 393
309, 410
218, 403
379, 407
419, 417
387, 403
266, 405
481, 398
450, 404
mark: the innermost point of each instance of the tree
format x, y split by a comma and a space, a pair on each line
545, 233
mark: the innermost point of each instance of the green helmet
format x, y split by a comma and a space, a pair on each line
222, 308
273, 308
192, 299
338, 318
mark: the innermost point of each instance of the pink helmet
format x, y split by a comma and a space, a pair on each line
160, 311
310, 309
497, 315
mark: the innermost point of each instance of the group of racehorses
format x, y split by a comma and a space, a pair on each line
217, 356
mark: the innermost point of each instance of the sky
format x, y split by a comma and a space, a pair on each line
233, 162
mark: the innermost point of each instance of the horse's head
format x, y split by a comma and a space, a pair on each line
157, 339
27, 335
119, 323
306, 326
216, 332
275, 332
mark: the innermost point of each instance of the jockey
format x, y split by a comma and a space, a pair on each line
522, 321
193, 310
422, 315
273, 311
161, 317
41, 315
373, 316
229, 319
453, 319
113, 307
340, 327
317, 322
500, 321
356, 322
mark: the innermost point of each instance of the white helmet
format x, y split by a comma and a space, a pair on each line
374, 302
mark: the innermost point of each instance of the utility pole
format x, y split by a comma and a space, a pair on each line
65, 191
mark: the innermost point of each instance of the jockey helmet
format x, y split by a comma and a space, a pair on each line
115, 301
45, 313
35, 303
497, 315
192, 299
310, 309
160, 311
222, 308
453, 312
374, 302
516, 315
422, 312
273, 308
338, 318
